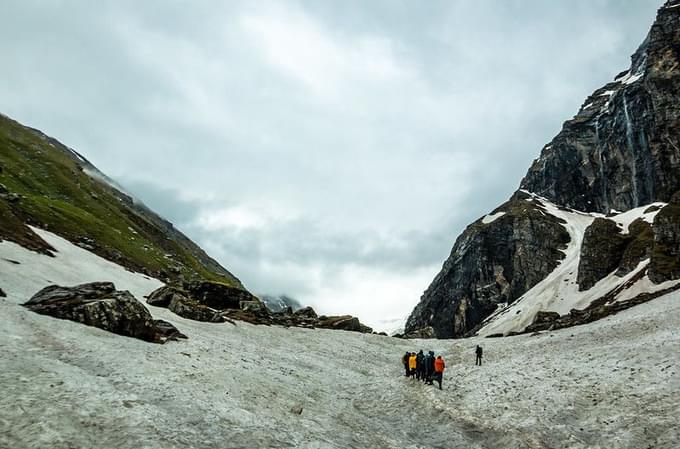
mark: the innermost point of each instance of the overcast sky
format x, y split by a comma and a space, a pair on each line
331, 151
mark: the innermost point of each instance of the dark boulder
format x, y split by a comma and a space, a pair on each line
2, 293
344, 322
306, 312
193, 310
99, 304
217, 295
601, 252
163, 296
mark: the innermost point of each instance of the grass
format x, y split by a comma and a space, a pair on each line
57, 195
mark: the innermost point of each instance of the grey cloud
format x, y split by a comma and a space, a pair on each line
355, 135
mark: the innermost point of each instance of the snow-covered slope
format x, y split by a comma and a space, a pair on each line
559, 292
610, 384
23, 272
89, 388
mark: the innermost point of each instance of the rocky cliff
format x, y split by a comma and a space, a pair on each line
551, 244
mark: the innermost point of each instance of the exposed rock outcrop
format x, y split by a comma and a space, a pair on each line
601, 252
2, 293
99, 304
215, 302
665, 260
492, 262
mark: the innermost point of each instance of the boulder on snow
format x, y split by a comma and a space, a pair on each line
306, 312
99, 304
217, 295
344, 322
2, 294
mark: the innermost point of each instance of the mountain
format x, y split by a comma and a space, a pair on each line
595, 225
280, 303
47, 185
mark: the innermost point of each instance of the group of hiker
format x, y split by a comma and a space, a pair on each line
428, 368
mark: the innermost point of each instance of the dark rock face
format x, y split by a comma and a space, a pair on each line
2, 294
601, 252
99, 304
665, 261
639, 246
490, 264
622, 149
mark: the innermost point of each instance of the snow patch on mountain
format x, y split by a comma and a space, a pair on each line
559, 291
490, 218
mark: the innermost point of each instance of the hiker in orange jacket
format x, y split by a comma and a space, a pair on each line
439, 367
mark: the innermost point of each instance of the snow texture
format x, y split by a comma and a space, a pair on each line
611, 384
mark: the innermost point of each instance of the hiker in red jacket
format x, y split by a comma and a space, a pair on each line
439, 367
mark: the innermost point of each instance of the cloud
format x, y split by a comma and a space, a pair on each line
305, 50
331, 151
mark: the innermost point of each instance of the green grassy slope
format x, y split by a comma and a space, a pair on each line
57, 194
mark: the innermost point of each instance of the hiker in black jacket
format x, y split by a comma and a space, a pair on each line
420, 366
478, 354
429, 367
404, 361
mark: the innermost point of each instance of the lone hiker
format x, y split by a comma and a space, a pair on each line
404, 361
429, 367
478, 353
439, 366
420, 366
412, 364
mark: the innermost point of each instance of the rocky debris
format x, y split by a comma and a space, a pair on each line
545, 317
99, 304
2, 293
217, 295
596, 311
665, 260
179, 302
248, 308
306, 312
601, 252
491, 263
296, 409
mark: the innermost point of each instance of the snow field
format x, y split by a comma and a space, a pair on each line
611, 384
